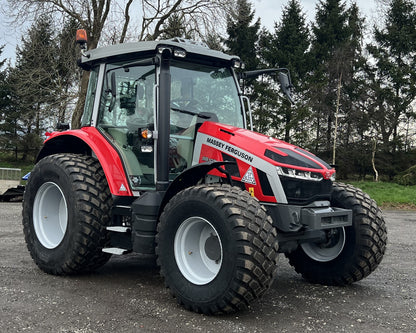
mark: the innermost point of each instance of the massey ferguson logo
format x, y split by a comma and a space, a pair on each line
230, 149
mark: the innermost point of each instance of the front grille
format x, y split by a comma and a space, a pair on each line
302, 192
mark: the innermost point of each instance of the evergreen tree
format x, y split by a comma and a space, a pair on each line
243, 34
393, 76
175, 27
213, 41
67, 73
33, 84
353, 145
242, 41
5, 106
35, 65
3, 89
2, 62
287, 47
331, 58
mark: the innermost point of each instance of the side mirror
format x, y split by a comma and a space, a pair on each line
286, 85
284, 78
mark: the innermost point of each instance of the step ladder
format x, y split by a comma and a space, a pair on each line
117, 250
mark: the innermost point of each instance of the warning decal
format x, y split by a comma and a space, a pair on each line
249, 177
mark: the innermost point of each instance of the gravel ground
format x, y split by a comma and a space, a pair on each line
128, 295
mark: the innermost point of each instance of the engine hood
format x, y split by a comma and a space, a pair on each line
247, 145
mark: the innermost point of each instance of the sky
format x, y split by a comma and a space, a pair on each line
269, 12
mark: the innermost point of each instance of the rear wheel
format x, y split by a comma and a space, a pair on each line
216, 248
351, 253
66, 208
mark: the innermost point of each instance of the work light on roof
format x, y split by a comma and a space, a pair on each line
179, 53
236, 63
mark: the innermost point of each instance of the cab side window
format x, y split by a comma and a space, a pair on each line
127, 107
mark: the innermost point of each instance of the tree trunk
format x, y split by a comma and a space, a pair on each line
79, 108
373, 158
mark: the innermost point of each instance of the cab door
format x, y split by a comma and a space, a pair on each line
127, 108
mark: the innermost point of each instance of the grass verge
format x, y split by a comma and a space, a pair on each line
7, 161
389, 195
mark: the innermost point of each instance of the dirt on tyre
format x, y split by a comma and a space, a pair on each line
217, 249
351, 253
66, 209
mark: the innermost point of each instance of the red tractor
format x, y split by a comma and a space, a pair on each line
163, 164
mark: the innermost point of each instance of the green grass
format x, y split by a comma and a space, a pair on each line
389, 195
7, 161
24, 166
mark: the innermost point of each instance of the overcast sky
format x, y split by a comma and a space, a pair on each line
269, 12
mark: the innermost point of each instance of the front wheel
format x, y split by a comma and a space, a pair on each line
350, 253
217, 248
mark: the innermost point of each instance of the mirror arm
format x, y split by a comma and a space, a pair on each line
258, 72
284, 78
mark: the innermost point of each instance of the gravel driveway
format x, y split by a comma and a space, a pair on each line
128, 295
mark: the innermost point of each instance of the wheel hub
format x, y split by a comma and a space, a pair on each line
213, 248
329, 250
198, 250
50, 215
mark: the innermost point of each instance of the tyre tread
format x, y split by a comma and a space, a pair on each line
371, 234
252, 229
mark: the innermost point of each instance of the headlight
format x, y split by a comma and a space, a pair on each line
299, 174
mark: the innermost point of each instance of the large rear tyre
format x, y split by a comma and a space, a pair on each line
217, 249
350, 254
66, 208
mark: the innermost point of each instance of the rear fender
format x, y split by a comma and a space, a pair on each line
89, 141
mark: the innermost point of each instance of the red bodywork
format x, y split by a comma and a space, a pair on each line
214, 140
107, 155
248, 149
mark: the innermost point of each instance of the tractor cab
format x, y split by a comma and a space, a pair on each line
127, 108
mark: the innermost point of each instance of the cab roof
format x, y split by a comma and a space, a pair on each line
140, 49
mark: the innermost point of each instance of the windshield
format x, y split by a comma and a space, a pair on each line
210, 92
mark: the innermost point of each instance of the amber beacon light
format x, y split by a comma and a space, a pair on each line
81, 37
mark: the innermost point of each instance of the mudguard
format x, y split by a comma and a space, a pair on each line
88, 140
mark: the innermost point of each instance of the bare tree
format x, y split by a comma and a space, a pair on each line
91, 15
201, 16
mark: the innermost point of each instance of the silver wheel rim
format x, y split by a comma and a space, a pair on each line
198, 250
324, 252
50, 215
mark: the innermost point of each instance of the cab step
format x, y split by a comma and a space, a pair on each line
115, 250
119, 229
120, 240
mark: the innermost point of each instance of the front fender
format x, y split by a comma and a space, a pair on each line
192, 176
90, 141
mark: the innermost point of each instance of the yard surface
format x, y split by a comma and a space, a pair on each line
128, 295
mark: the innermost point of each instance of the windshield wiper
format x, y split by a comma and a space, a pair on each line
192, 113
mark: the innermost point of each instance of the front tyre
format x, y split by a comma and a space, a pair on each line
217, 248
351, 253
66, 208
